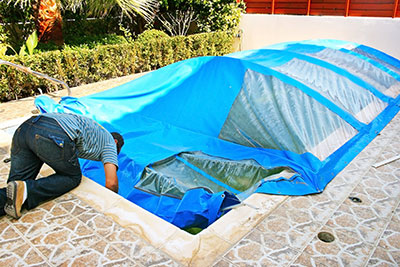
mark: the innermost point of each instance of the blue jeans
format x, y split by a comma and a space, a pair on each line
42, 140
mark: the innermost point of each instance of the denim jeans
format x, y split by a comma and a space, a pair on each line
42, 140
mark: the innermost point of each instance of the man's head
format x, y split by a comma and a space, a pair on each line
119, 141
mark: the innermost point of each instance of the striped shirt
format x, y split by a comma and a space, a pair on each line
92, 141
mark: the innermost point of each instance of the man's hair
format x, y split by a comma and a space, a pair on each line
120, 140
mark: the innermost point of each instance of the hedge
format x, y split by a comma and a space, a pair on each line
82, 66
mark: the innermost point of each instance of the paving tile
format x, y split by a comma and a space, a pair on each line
341, 186
101, 224
223, 263
296, 230
390, 240
388, 251
306, 259
29, 256
4, 167
261, 249
382, 257
75, 206
136, 249
353, 215
348, 248
9, 259
41, 220
10, 239
15, 251
122, 263
314, 211
151, 257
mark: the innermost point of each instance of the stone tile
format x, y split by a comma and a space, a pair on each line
261, 249
9, 259
122, 236
195, 250
306, 259
223, 263
355, 223
352, 171
30, 256
109, 252
353, 215
125, 263
64, 241
322, 206
142, 223
339, 188
42, 219
95, 195
10, 239
390, 240
295, 234
98, 253
73, 205
136, 249
100, 223
151, 257
348, 248
305, 209
241, 220
382, 257
4, 167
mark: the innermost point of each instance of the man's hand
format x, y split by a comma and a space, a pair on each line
111, 176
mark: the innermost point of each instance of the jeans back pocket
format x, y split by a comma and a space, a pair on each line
49, 149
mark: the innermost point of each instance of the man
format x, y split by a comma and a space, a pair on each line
58, 140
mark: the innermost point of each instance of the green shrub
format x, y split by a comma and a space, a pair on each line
78, 42
150, 35
211, 15
82, 65
219, 15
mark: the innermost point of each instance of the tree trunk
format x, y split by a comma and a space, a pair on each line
48, 21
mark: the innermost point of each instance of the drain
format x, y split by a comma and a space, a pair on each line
355, 199
7, 160
326, 237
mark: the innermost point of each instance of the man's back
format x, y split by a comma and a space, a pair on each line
92, 141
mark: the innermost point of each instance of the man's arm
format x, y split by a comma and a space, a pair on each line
111, 176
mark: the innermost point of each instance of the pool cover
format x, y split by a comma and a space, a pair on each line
203, 134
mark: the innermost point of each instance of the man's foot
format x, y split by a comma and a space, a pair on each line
15, 198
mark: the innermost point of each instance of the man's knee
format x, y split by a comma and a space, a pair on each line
76, 180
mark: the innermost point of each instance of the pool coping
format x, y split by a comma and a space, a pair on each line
190, 250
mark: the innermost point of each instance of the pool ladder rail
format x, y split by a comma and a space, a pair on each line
37, 74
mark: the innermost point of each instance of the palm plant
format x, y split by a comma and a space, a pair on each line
48, 19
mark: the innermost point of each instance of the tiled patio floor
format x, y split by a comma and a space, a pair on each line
69, 232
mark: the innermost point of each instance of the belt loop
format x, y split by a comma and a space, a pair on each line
36, 118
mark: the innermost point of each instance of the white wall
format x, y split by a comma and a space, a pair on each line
381, 33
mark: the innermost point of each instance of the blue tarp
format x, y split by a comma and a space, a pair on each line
204, 133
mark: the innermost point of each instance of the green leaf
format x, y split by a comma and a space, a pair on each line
32, 42
22, 51
3, 49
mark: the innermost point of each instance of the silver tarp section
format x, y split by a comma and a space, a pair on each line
269, 113
376, 77
349, 96
177, 174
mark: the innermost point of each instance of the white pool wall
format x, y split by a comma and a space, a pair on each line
260, 30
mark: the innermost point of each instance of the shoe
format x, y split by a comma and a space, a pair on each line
15, 196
